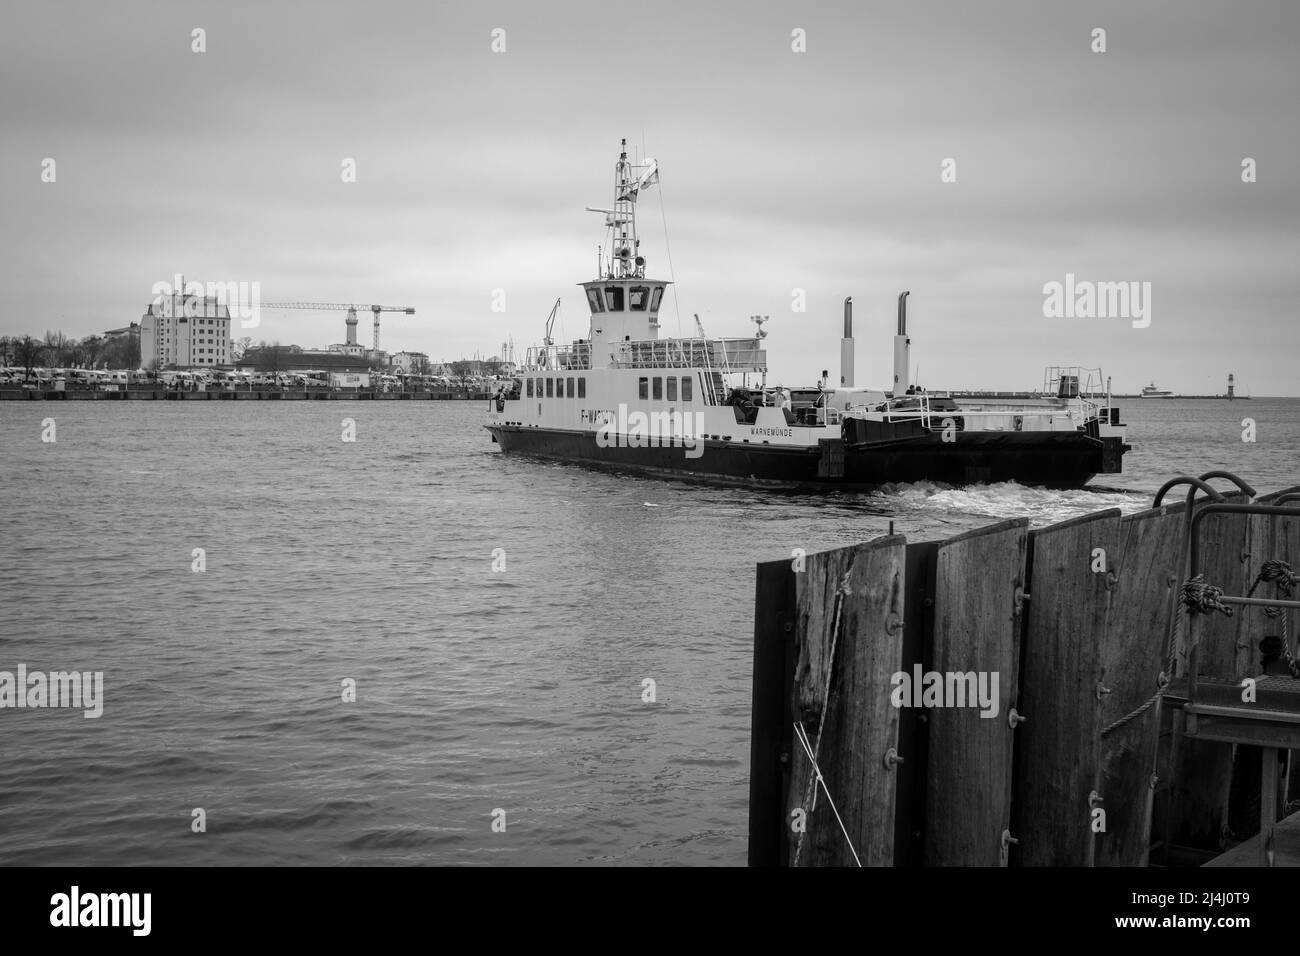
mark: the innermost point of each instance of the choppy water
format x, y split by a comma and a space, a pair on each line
476, 690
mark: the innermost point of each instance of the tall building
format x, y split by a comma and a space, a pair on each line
184, 331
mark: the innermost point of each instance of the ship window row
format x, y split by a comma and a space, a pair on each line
556, 387
653, 387
639, 298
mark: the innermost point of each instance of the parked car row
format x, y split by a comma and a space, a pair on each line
118, 379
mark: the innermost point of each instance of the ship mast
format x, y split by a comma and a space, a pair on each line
626, 261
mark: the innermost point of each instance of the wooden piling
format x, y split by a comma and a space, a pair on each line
849, 635
1201, 774
977, 628
770, 719
1064, 682
1134, 653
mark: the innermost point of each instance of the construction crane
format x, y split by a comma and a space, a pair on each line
340, 307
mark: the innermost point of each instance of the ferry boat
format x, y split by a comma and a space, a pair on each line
1150, 391
701, 408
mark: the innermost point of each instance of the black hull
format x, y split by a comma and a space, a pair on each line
1049, 459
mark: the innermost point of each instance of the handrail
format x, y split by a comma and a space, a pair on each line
1245, 489
1186, 480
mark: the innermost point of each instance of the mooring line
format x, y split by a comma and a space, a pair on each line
802, 735
841, 593
1171, 652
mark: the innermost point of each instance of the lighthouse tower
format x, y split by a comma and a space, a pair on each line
1231, 387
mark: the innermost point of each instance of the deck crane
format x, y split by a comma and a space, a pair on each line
550, 324
351, 311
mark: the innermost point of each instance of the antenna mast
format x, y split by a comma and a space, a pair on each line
626, 261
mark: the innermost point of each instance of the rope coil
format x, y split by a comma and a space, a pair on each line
1202, 598
1283, 577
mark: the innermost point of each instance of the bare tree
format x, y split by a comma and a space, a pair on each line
29, 353
461, 370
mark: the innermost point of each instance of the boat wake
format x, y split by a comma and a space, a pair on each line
1007, 499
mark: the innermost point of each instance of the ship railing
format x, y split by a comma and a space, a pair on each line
1011, 417
544, 358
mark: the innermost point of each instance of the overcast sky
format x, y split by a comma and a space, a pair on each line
779, 171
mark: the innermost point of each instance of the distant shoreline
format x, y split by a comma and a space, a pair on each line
172, 395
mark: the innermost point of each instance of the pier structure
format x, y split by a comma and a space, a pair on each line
1112, 690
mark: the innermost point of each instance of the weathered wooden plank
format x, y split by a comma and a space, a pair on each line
1291, 532
913, 729
1270, 538
1133, 655
1202, 770
977, 625
1058, 753
770, 719
1225, 563
847, 679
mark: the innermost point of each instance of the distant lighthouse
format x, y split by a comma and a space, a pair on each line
1231, 387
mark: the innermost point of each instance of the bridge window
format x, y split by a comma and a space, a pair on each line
672, 388
686, 388
643, 387
530, 388
593, 300
638, 297
582, 387
550, 387
614, 297
659, 388
655, 297
571, 391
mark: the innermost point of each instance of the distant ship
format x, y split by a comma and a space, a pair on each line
1151, 391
